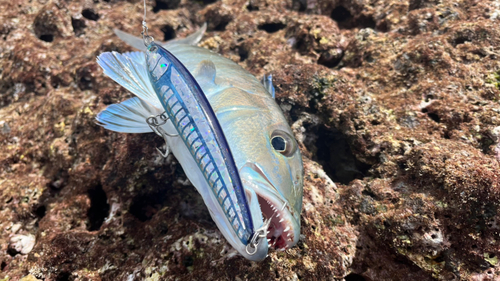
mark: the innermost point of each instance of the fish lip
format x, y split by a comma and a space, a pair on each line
275, 206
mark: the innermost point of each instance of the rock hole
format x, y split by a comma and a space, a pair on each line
431, 115
337, 160
369, 193
3, 265
271, 27
346, 20
434, 117
221, 26
64, 276
440, 258
85, 76
461, 40
146, 206
243, 53
12, 252
47, 37
354, 277
330, 60
387, 223
40, 211
78, 26
90, 14
168, 33
340, 14
99, 208
251, 7
188, 261
165, 5
44, 26
416, 4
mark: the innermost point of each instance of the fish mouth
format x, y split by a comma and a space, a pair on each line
282, 227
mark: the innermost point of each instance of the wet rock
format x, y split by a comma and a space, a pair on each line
394, 105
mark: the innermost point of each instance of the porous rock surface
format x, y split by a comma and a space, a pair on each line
395, 105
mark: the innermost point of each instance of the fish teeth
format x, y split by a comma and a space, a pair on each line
286, 229
289, 234
281, 220
268, 240
278, 215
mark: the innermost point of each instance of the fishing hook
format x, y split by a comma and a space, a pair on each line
155, 125
260, 233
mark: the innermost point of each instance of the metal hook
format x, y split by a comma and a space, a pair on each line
260, 233
155, 125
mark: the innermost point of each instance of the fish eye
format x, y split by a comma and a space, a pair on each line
283, 143
153, 49
279, 143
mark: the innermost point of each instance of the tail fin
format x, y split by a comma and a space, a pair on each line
130, 71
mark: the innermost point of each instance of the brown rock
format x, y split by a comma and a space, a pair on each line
395, 105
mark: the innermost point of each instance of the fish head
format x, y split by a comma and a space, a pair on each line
269, 162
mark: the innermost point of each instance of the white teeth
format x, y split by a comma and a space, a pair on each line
282, 219
278, 215
268, 232
286, 229
268, 240
289, 234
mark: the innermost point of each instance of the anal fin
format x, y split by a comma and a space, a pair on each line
128, 116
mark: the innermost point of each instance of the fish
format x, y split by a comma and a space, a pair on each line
265, 153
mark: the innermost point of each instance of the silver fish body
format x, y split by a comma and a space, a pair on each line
262, 144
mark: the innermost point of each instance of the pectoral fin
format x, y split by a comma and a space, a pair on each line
267, 81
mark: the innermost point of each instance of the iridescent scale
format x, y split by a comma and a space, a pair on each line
188, 109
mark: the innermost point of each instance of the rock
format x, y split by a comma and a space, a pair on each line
395, 105
22, 244
29, 277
